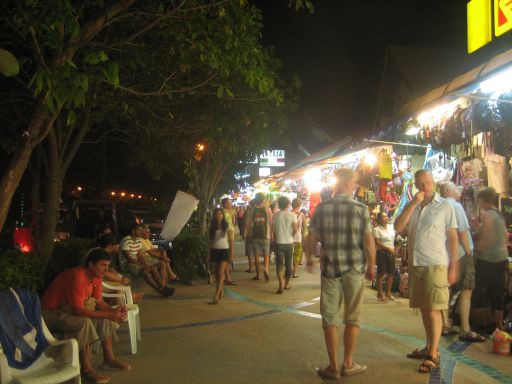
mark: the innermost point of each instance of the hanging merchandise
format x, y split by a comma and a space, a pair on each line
442, 166
497, 172
468, 198
407, 181
314, 200
471, 169
385, 165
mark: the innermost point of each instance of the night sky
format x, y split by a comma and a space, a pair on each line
338, 52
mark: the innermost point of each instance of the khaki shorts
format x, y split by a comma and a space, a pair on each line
467, 274
428, 287
348, 289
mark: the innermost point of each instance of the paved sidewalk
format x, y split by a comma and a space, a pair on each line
256, 336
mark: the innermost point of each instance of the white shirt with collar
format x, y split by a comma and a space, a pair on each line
427, 232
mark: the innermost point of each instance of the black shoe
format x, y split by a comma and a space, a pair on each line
166, 291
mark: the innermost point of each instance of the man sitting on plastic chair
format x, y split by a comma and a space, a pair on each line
110, 243
73, 307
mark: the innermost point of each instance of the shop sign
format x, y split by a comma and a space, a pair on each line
502, 16
481, 24
264, 172
272, 158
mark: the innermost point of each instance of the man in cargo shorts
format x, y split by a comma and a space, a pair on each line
431, 225
342, 225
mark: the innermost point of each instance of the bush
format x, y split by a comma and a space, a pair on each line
66, 254
21, 270
189, 256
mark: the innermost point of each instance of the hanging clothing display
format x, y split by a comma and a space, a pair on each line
407, 182
471, 169
497, 172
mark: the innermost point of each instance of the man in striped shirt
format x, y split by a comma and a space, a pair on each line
342, 225
132, 260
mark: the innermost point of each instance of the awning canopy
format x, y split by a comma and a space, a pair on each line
459, 84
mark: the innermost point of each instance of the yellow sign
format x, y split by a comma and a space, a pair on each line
502, 16
479, 24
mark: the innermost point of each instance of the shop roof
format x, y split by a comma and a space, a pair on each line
460, 83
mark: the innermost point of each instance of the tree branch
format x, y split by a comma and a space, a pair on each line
69, 154
160, 93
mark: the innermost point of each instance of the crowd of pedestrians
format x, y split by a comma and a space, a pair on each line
443, 260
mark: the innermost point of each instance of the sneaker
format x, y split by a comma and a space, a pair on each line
353, 370
166, 291
327, 374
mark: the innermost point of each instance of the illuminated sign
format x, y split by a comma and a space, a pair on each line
502, 16
479, 24
272, 158
264, 172
481, 21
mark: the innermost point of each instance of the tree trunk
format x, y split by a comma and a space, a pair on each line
35, 194
38, 128
53, 192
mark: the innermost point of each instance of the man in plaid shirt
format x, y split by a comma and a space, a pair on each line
342, 225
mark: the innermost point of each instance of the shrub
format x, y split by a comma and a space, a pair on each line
66, 254
21, 270
189, 255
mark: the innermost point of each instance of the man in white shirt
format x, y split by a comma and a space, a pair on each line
284, 227
432, 242
466, 284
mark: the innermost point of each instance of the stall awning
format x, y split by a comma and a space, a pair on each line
459, 84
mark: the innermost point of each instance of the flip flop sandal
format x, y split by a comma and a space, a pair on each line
256, 278
447, 332
417, 354
429, 364
116, 366
472, 337
266, 275
230, 282
93, 377
295, 275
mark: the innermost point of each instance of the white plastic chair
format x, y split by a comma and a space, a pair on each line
124, 294
46, 370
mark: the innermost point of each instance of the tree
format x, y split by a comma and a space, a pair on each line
129, 64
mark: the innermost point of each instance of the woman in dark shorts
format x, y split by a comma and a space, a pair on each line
220, 248
491, 253
385, 242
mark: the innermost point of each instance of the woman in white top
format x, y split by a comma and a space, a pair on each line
385, 242
220, 249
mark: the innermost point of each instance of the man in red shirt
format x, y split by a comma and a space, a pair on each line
73, 307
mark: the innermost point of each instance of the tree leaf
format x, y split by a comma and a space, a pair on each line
9, 66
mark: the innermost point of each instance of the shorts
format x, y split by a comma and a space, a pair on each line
134, 269
297, 252
492, 278
219, 255
150, 260
385, 262
348, 290
284, 254
467, 274
248, 247
260, 247
428, 287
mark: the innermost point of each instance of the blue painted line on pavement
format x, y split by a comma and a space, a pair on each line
453, 352
210, 322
